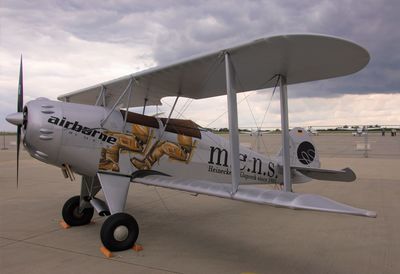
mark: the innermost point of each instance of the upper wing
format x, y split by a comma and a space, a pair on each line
255, 194
299, 57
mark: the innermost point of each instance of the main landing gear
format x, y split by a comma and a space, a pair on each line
73, 215
120, 230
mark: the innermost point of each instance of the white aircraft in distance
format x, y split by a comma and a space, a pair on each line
347, 128
256, 132
91, 132
312, 131
360, 131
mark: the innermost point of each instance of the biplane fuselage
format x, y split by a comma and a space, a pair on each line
66, 131
90, 133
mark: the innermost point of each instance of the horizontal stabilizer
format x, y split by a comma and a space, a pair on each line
344, 175
255, 195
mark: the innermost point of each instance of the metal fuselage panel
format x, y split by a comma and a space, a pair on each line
65, 133
182, 153
211, 160
60, 133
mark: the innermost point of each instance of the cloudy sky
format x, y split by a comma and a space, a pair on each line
68, 45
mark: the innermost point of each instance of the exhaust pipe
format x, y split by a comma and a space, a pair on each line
100, 206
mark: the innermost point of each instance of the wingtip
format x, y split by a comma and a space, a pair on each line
371, 214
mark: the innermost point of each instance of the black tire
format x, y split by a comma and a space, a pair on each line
71, 214
119, 220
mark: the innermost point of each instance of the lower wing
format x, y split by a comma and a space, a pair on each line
254, 194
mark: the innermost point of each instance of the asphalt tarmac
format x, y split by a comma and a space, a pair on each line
182, 233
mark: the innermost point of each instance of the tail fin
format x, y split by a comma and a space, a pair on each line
302, 149
304, 160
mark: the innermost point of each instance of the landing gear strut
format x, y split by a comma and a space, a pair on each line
119, 232
73, 215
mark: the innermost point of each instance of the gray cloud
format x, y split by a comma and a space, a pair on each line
171, 30
179, 29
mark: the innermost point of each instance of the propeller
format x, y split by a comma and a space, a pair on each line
20, 106
18, 118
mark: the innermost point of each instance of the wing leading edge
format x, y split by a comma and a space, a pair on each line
255, 195
300, 57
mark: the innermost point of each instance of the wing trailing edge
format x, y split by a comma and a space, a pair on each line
256, 195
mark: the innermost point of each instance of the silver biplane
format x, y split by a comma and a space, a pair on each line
91, 132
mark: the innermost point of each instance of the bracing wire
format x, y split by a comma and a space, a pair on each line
265, 113
187, 106
210, 72
270, 100
252, 114
260, 87
179, 113
222, 114
262, 122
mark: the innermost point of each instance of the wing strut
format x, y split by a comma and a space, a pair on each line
127, 108
128, 87
101, 96
285, 134
233, 124
144, 105
162, 132
169, 117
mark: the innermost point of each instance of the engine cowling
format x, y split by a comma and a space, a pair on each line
61, 133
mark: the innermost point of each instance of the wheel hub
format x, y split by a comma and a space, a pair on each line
77, 213
121, 233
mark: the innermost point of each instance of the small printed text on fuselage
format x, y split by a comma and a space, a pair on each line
218, 163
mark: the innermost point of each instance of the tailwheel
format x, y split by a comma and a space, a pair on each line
72, 214
119, 232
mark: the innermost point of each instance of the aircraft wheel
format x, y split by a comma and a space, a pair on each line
71, 214
119, 232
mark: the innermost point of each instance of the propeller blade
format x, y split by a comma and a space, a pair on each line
20, 106
18, 145
20, 103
